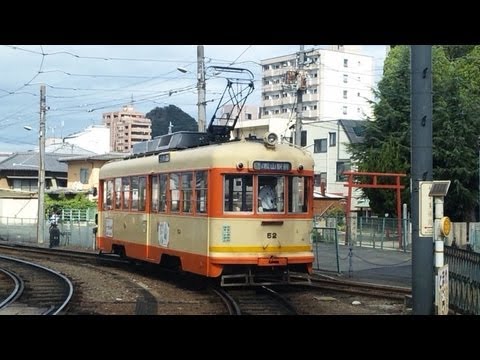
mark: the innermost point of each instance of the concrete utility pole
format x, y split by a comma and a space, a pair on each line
421, 162
41, 170
300, 89
201, 88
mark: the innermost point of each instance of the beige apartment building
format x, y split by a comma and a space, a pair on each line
127, 127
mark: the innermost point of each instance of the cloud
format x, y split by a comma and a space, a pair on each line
83, 81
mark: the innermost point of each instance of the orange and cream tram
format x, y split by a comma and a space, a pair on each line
240, 209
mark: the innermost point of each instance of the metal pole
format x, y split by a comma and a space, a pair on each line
201, 88
41, 171
300, 89
421, 163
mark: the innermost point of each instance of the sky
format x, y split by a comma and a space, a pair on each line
84, 81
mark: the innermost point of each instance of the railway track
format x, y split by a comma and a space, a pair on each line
381, 291
35, 289
261, 300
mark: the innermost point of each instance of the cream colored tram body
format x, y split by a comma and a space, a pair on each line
240, 210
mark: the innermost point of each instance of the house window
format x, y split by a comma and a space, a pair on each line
320, 178
342, 166
344, 110
303, 138
345, 62
84, 176
345, 78
249, 116
332, 138
320, 146
25, 184
344, 94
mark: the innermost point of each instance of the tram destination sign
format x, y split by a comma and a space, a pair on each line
272, 165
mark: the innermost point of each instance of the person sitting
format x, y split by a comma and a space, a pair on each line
268, 200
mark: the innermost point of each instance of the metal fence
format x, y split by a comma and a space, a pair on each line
76, 229
371, 232
367, 254
464, 280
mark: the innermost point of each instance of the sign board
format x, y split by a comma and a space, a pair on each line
441, 290
425, 209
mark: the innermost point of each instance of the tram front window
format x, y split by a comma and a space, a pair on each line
238, 193
270, 193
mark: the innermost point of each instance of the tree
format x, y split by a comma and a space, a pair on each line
456, 126
161, 118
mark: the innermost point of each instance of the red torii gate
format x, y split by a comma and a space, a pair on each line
374, 185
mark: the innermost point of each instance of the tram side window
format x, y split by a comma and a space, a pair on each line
174, 193
155, 193
238, 193
163, 192
271, 193
187, 188
142, 193
297, 194
126, 193
118, 193
134, 192
201, 191
108, 195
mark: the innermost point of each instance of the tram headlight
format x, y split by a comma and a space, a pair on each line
270, 139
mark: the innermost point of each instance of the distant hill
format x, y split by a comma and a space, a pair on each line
162, 116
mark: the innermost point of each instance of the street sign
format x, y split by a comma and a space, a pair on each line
426, 209
441, 290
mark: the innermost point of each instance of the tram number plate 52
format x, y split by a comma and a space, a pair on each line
271, 235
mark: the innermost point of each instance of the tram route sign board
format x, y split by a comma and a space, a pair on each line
426, 209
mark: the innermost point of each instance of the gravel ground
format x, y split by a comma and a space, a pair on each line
106, 290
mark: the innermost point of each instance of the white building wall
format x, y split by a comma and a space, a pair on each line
94, 138
261, 126
358, 86
324, 98
11, 209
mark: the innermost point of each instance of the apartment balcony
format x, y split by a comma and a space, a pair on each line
310, 97
278, 102
276, 72
272, 87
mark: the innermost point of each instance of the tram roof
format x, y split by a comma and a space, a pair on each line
223, 155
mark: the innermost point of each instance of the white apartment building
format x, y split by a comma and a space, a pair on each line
337, 85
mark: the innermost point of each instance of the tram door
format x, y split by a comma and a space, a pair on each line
157, 227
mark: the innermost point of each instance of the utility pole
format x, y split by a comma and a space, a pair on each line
300, 88
422, 170
41, 170
201, 88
